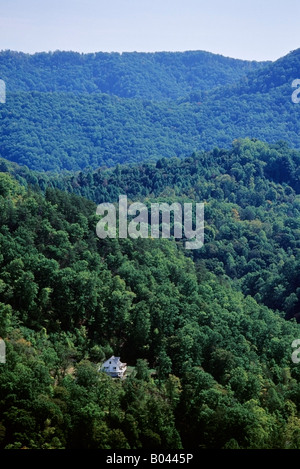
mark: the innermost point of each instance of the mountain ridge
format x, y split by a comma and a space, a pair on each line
160, 75
57, 130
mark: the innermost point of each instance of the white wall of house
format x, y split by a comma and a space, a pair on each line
114, 367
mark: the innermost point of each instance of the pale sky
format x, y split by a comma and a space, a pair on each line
245, 29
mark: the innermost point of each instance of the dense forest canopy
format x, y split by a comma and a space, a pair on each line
207, 334
155, 76
56, 122
254, 183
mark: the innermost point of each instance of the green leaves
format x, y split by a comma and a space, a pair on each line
213, 367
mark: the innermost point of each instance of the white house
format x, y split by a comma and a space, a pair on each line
114, 367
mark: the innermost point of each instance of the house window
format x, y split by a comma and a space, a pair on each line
115, 367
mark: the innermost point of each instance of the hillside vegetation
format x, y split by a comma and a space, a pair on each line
209, 324
72, 111
207, 333
155, 76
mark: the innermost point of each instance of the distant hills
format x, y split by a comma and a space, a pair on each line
73, 111
209, 333
155, 76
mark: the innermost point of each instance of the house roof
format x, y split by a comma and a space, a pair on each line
115, 360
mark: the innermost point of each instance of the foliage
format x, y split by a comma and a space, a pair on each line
155, 76
207, 333
68, 111
213, 366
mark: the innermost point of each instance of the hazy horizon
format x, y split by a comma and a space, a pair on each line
141, 52
247, 31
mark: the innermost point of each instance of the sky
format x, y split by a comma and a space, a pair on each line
244, 29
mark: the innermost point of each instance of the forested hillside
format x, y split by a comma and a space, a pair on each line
60, 115
252, 215
204, 332
207, 334
155, 76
